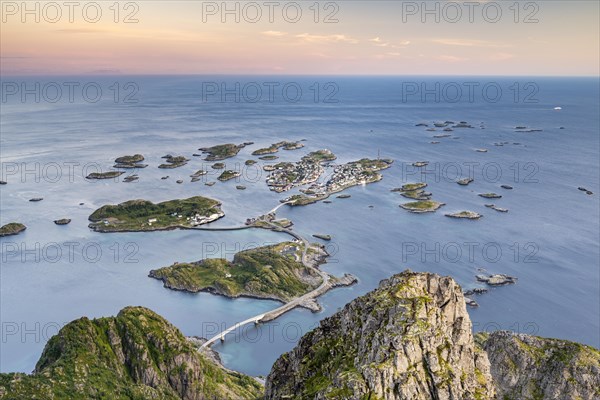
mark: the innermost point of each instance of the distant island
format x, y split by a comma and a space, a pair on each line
130, 162
228, 175
173, 162
274, 148
104, 175
222, 151
270, 272
12, 228
143, 215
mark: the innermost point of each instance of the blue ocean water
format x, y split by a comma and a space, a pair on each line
549, 239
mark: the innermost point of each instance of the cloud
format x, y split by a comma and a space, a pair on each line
468, 43
274, 33
375, 39
449, 58
80, 30
501, 56
326, 38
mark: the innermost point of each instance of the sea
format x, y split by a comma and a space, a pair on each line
56, 130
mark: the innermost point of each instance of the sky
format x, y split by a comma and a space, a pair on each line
348, 37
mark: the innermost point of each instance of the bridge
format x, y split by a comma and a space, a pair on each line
273, 314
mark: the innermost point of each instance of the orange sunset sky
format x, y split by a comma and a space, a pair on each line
344, 37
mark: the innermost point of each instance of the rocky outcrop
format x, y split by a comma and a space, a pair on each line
529, 367
136, 355
409, 339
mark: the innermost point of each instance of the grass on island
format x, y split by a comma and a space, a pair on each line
11, 228
302, 200
409, 187
136, 158
173, 162
227, 175
274, 148
137, 214
221, 151
422, 205
270, 271
104, 175
376, 165
320, 156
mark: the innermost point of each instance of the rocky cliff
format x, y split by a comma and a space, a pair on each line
411, 339
529, 367
136, 355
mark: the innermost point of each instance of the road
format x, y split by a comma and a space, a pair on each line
271, 315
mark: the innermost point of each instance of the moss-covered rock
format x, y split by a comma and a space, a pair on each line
273, 272
12, 228
135, 355
409, 339
527, 367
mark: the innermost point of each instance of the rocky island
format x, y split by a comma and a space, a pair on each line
465, 215
133, 161
221, 151
422, 206
12, 228
270, 272
173, 162
274, 148
104, 175
143, 215
228, 175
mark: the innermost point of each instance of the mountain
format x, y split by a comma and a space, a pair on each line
135, 355
411, 339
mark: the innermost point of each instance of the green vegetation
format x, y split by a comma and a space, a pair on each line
136, 355
465, 215
320, 156
302, 200
490, 195
143, 215
104, 175
274, 148
136, 158
267, 272
173, 161
227, 175
422, 206
221, 151
12, 228
268, 158
218, 165
416, 195
250, 162
409, 187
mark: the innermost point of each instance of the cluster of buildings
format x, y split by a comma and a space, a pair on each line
348, 175
287, 175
